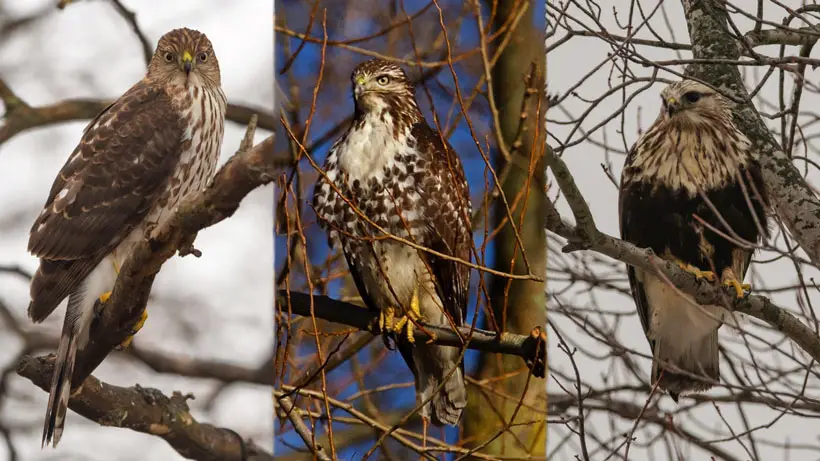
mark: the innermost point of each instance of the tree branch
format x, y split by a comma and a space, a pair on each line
148, 411
19, 116
532, 348
294, 414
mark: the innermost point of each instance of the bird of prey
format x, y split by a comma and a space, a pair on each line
136, 161
692, 191
392, 171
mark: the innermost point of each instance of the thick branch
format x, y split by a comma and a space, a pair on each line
148, 411
532, 347
792, 198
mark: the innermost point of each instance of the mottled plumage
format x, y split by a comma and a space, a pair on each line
404, 178
135, 162
691, 161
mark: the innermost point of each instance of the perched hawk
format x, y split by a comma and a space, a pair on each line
692, 162
136, 161
403, 177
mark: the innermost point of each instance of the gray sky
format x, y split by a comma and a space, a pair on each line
216, 307
566, 66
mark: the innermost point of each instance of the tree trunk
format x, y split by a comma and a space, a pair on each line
519, 305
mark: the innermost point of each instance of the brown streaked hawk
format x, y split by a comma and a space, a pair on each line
693, 166
136, 161
403, 177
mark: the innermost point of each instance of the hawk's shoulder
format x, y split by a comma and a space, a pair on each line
125, 156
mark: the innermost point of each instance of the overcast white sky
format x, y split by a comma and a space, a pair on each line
215, 307
566, 66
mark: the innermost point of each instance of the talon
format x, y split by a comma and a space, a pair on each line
134, 329
407, 326
105, 296
414, 314
386, 317
699, 274
730, 280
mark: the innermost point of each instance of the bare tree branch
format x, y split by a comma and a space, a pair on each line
531, 348
19, 116
151, 412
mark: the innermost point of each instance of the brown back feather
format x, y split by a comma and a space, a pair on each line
103, 191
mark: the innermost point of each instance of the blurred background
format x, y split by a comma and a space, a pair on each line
502, 40
605, 92
212, 310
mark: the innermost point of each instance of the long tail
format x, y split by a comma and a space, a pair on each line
700, 357
61, 379
432, 365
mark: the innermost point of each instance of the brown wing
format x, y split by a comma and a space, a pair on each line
122, 163
631, 229
447, 211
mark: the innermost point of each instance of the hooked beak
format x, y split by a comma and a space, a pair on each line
187, 62
358, 88
672, 106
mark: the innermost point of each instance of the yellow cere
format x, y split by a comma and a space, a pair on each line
186, 56
360, 80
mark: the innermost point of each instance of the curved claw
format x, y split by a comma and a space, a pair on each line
699, 274
134, 329
740, 288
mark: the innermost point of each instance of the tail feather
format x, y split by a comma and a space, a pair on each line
700, 357
432, 366
61, 380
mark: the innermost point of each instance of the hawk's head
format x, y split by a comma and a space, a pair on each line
185, 57
692, 103
380, 85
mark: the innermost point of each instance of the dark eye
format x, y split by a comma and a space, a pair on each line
383, 80
203, 57
692, 97
169, 57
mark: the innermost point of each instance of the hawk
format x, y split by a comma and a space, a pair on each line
692, 191
136, 161
403, 177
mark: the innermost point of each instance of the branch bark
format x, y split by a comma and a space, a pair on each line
792, 198
532, 348
151, 412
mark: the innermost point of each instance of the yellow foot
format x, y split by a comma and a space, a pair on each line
386, 319
105, 296
413, 314
134, 329
699, 274
730, 280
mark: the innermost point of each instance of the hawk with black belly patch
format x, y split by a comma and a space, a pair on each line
692, 191
137, 160
401, 176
